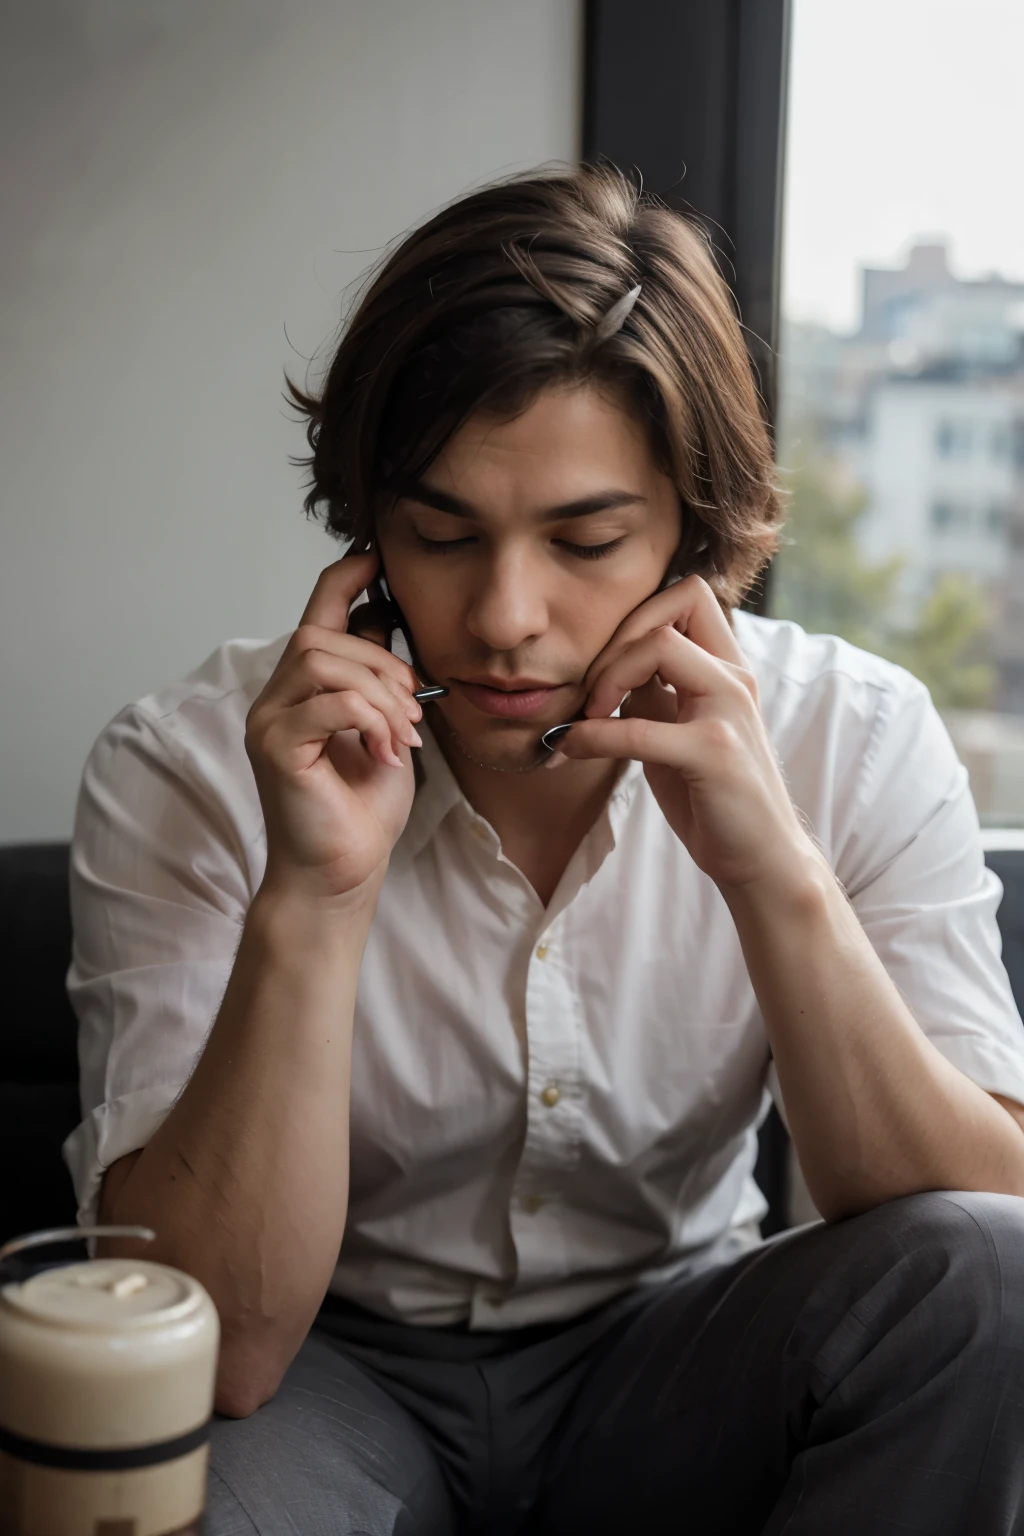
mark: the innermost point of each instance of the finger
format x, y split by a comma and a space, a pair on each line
684, 747
315, 672
703, 619
316, 637
337, 588
673, 659
295, 739
409, 703
652, 701
689, 606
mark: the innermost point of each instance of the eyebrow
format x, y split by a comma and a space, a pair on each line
442, 501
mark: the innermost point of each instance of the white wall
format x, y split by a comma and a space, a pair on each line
182, 180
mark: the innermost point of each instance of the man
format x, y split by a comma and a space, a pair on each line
465, 1156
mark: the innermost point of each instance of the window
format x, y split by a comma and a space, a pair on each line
1001, 442
953, 439
901, 357
951, 515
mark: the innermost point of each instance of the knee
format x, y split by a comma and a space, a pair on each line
963, 1220
976, 1239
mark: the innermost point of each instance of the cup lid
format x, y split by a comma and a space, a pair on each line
106, 1294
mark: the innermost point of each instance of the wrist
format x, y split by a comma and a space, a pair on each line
798, 884
285, 916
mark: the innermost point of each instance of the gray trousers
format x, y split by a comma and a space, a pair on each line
865, 1376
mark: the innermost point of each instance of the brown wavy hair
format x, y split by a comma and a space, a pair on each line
499, 296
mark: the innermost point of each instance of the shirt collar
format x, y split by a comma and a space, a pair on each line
439, 794
434, 798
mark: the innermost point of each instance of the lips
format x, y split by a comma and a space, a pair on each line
508, 684
508, 702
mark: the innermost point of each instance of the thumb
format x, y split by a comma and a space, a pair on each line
337, 588
652, 701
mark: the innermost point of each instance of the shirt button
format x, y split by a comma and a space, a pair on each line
550, 1095
531, 1204
541, 951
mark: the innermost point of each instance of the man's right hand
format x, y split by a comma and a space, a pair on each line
329, 739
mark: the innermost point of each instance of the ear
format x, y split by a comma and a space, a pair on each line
692, 554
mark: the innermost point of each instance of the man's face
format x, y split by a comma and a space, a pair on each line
517, 556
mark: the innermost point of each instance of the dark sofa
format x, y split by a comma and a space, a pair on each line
38, 1059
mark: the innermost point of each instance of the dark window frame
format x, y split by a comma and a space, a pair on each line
690, 96
700, 86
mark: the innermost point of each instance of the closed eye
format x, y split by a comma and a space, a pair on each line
580, 551
590, 551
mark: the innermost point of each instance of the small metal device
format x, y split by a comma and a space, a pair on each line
551, 738
438, 691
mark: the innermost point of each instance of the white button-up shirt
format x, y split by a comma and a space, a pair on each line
549, 1104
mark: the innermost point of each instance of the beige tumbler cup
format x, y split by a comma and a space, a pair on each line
106, 1392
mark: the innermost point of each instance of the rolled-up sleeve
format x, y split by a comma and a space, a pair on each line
165, 853
912, 863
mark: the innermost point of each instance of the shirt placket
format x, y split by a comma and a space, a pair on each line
553, 1122
553, 1014
553, 1106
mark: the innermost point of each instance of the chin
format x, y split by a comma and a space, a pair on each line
502, 748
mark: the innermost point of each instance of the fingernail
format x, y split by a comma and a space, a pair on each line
551, 738
414, 739
555, 760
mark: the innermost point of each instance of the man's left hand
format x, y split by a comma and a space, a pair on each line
691, 716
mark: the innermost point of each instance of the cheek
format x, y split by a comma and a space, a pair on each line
607, 591
589, 614
432, 606
600, 605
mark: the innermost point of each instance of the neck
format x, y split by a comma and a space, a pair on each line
538, 810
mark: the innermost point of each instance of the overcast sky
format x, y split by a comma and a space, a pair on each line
905, 120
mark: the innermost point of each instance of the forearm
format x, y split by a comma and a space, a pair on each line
874, 1109
246, 1181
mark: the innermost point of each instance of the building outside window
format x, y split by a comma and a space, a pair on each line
901, 416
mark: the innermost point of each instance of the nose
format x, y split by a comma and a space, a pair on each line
509, 607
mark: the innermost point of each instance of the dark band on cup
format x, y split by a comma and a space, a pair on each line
126, 1458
